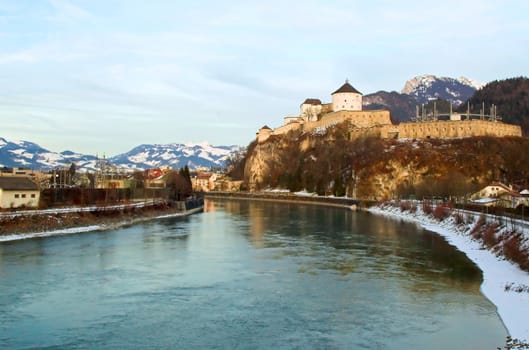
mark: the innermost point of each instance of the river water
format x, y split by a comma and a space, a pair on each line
245, 275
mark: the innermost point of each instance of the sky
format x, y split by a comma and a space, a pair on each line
103, 76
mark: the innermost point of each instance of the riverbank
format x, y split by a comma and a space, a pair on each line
32, 224
504, 283
289, 197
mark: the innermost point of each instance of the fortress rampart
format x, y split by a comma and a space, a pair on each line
316, 117
454, 129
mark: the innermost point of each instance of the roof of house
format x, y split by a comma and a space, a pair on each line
204, 176
346, 88
17, 183
312, 101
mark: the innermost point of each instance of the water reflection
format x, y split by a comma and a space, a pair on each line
345, 242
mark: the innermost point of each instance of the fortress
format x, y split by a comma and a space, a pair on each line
346, 106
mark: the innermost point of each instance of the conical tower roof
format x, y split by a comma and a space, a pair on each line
346, 88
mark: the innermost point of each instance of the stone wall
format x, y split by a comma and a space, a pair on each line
378, 123
359, 119
455, 129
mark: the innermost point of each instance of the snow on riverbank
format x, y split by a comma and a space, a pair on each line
66, 231
513, 307
91, 228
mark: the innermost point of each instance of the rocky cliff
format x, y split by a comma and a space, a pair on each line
373, 168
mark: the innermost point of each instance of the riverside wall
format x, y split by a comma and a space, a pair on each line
347, 203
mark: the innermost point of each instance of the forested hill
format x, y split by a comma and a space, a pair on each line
511, 96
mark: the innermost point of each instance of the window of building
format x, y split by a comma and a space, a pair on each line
24, 195
17, 195
33, 195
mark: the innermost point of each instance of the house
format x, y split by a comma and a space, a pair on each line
494, 190
500, 195
204, 182
18, 192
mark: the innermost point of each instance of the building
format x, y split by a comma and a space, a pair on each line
346, 98
16, 192
204, 182
346, 106
494, 190
500, 195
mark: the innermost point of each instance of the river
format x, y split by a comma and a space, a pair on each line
246, 275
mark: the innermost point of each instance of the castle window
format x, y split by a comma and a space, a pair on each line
24, 195
33, 195
17, 196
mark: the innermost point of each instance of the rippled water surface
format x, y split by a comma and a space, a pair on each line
245, 275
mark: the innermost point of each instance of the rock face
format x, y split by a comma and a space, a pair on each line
374, 168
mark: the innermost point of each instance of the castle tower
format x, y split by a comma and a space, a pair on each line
310, 109
346, 98
263, 134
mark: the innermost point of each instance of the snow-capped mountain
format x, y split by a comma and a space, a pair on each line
174, 155
421, 90
26, 154
425, 88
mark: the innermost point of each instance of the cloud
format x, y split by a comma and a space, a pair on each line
67, 12
172, 63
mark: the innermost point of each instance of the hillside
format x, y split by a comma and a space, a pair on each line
401, 106
422, 89
426, 88
510, 96
373, 168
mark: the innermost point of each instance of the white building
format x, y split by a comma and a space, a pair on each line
311, 109
346, 98
17, 192
493, 190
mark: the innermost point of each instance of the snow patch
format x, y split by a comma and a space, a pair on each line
513, 307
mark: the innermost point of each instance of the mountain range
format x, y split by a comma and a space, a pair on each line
175, 155
419, 90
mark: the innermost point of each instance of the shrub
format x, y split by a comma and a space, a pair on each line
476, 230
440, 212
489, 235
469, 218
427, 207
458, 218
514, 344
514, 251
408, 206
519, 288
